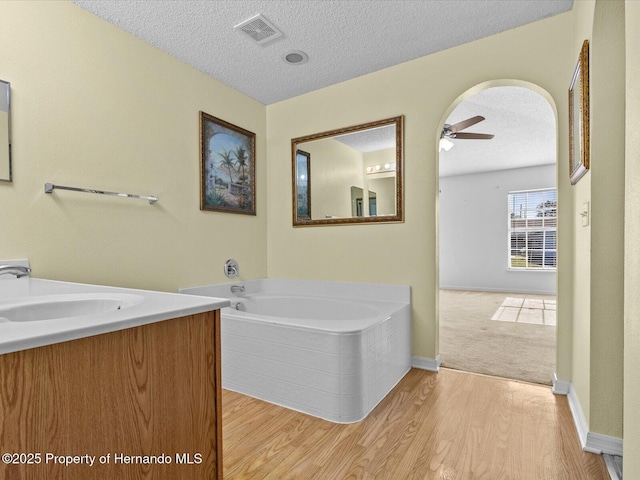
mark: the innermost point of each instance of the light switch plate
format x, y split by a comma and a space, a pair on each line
585, 214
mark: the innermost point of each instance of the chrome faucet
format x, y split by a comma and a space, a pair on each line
237, 289
231, 269
17, 270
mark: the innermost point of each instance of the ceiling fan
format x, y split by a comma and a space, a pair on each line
453, 131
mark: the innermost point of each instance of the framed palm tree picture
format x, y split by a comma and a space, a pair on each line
227, 167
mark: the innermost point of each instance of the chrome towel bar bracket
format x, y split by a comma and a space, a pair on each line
49, 187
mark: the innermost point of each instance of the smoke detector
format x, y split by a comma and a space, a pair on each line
259, 29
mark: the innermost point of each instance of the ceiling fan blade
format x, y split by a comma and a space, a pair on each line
473, 136
456, 127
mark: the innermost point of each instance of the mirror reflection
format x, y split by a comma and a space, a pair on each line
349, 175
5, 132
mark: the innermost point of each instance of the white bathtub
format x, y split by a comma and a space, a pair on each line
332, 350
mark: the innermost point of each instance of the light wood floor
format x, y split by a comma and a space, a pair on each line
450, 425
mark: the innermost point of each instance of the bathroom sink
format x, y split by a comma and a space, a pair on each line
51, 307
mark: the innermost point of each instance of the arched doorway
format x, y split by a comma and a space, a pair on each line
497, 233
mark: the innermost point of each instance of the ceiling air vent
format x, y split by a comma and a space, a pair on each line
259, 29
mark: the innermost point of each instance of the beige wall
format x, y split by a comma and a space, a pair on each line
95, 107
335, 168
632, 245
598, 256
580, 271
607, 94
422, 90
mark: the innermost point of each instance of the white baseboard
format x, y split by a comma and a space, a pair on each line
500, 290
560, 387
431, 364
614, 466
598, 443
590, 441
579, 420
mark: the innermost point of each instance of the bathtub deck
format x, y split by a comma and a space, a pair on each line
452, 425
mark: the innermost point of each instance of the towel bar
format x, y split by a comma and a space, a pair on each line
49, 187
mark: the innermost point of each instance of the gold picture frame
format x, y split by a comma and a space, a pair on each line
579, 117
227, 167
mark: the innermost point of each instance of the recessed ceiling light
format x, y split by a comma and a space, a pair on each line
295, 57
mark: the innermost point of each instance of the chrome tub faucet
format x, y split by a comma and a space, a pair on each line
237, 289
17, 270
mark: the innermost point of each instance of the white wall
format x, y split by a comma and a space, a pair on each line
473, 231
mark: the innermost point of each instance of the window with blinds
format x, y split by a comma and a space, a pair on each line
532, 229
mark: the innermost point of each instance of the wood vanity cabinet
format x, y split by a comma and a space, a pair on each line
130, 398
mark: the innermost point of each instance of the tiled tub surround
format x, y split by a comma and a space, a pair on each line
332, 350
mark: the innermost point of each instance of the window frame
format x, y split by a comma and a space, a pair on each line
544, 250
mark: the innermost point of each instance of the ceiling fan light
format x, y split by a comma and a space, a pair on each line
445, 144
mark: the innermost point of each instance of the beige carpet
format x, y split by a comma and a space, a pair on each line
505, 347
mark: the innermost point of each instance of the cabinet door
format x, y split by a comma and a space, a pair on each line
139, 403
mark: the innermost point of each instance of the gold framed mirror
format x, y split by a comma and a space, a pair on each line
352, 175
579, 117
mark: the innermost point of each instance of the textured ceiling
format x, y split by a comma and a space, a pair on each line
524, 126
343, 38
371, 140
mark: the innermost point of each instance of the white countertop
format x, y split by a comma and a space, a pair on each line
155, 307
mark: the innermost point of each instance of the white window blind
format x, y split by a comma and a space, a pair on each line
533, 224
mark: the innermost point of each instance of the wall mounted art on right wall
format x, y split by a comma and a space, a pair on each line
579, 117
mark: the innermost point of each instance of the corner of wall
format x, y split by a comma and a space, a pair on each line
591, 442
423, 363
